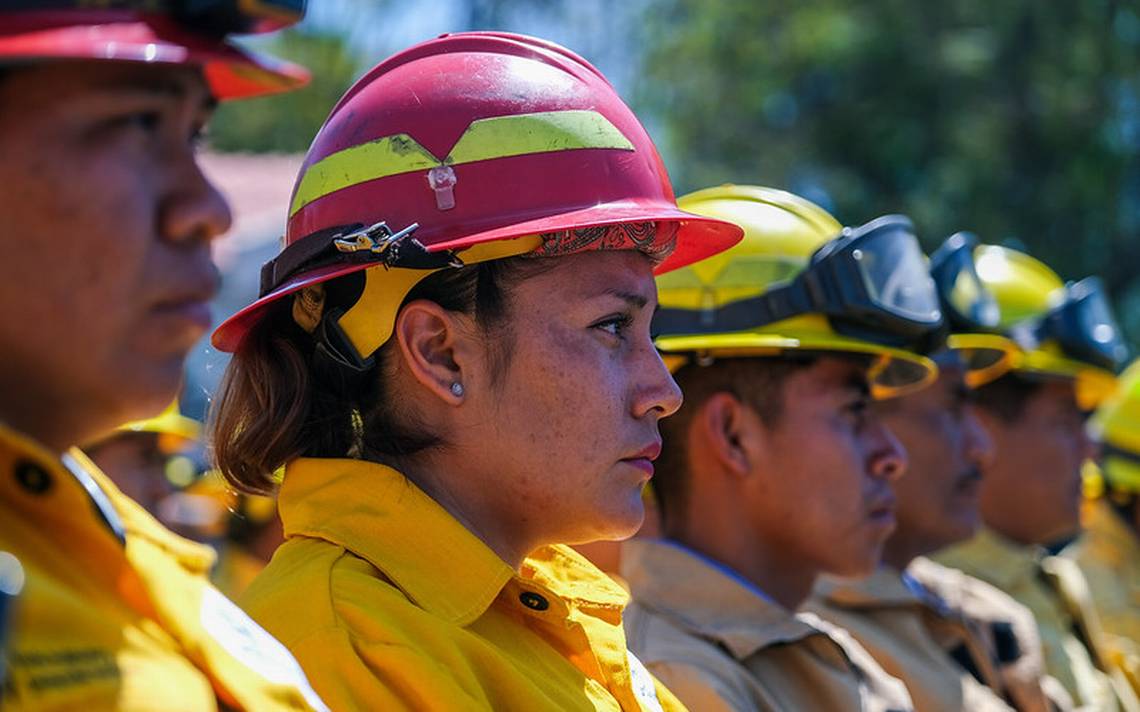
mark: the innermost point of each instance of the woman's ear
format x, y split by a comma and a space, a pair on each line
731, 433
430, 341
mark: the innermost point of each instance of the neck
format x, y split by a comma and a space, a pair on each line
785, 578
52, 425
904, 547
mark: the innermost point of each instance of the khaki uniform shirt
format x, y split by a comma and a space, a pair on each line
116, 612
719, 644
947, 660
1049, 587
390, 603
1108, 554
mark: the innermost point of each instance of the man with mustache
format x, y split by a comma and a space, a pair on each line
1030, 496
957, 643
106, 279
777, 468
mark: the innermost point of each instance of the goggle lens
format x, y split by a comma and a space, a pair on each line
894, 273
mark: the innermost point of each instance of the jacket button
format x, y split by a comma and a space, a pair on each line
32, 477
534, 601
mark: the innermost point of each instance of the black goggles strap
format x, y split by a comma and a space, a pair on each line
1107, 450
767, 308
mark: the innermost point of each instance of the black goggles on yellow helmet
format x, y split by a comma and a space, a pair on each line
871, 282
211, 17
1082, 325
971, 313
967, 305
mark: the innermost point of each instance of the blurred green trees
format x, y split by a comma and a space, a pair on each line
1019, 121
287, 123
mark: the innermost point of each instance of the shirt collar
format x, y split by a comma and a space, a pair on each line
381, 516
48, 486
1000, 561
885, 587
707, 598
1110, 535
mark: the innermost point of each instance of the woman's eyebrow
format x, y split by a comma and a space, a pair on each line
633, 298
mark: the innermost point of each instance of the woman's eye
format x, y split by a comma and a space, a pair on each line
148, 121
615, 325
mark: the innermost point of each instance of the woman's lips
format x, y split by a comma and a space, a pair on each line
642, 463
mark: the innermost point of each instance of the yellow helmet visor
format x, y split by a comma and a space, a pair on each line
985, 357
892, 372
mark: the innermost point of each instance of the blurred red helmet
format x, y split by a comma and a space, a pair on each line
156, 32
475, 138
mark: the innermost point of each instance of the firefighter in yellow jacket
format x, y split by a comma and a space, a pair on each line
451, 359
105, 278
1108, 551
957, 642
1030, 492
777, 468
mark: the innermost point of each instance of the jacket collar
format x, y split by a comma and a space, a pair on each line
706, 598
379, 515
1110, 536
884, 588
1002, 562
72, 491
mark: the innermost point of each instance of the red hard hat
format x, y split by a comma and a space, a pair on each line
29, 35
479, 137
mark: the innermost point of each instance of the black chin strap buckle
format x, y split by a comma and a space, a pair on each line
394, 249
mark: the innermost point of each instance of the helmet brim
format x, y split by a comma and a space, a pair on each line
986, 357
698, 237
893, 372
1093, 385
231, 72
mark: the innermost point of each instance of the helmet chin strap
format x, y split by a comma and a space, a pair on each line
359, 331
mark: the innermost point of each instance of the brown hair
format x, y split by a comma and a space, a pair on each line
278, 401
757, 382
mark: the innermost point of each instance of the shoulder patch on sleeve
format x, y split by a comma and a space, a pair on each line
644, 689
253, 646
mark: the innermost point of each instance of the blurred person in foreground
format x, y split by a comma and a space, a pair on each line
956, 642
106, 275
451, 363
1108, 551
157, 462
777, 468
1030, 496
151, 459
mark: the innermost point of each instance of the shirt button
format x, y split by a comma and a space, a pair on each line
32, 477
533, 601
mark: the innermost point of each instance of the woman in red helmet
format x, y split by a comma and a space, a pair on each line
451, 360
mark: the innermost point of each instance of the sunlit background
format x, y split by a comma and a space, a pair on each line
1019, 121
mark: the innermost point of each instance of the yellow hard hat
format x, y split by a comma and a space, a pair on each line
1062, 330
1116, 426
971, 312
783, 237
170, 421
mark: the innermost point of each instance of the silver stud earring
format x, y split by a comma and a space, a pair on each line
457, 389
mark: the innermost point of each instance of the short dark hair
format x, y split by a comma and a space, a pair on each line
1006, 398
757, 382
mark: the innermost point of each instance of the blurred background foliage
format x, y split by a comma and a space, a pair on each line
1019, 121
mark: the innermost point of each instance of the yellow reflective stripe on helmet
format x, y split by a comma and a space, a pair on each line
387, 156
484, 139
524, 134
